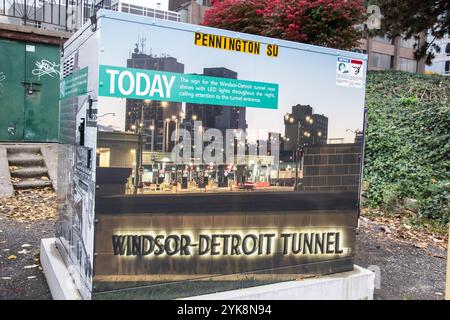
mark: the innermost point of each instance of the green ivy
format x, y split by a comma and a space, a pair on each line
407, 151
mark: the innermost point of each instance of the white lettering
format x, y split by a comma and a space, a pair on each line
112, 79
121, 80
142, 76
168, 84
157, 87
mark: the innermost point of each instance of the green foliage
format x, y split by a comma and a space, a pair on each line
327, 23
407, 151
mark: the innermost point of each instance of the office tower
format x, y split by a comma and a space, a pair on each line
319, 133
297, 126
159, 119
219, 117
303, 127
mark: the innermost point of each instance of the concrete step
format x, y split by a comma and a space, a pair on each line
35, 172
24, 159
32, 184
23, 149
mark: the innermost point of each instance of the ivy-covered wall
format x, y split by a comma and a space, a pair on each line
407, 151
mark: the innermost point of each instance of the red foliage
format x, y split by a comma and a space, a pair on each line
321, 22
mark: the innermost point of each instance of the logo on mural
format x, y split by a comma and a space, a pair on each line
2, 78
45, 67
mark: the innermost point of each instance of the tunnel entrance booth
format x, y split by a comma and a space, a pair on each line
196, 160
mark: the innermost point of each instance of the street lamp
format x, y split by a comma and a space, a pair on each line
152, 129
139, 166
166, 134
289, 119
105, 114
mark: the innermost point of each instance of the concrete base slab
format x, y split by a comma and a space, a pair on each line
353, 285
58, 278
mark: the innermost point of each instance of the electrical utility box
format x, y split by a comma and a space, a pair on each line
195, 160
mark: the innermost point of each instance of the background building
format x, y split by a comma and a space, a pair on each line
441, 61
391, 54
191, 11
150, 8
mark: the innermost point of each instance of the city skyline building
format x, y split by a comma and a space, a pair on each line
303, 126
219, 117
319, 132
158, 119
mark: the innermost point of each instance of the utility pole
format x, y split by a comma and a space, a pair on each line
297, 153
139, 167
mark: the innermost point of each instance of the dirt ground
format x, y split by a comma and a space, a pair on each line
408, 269
22, 277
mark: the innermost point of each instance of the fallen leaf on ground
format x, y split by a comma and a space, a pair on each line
421, 245
401, 231
30, 205
12, 257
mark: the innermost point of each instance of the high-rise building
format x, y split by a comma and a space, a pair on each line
219, 117
303, 127
159, 119
297, 126
319, 132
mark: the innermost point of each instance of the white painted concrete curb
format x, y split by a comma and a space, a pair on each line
58, 278
353, 285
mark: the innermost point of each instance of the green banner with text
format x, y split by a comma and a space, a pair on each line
177, 87
74, 85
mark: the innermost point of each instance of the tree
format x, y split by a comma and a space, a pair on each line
328, 23
410, 18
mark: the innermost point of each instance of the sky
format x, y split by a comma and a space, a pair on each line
304, 77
